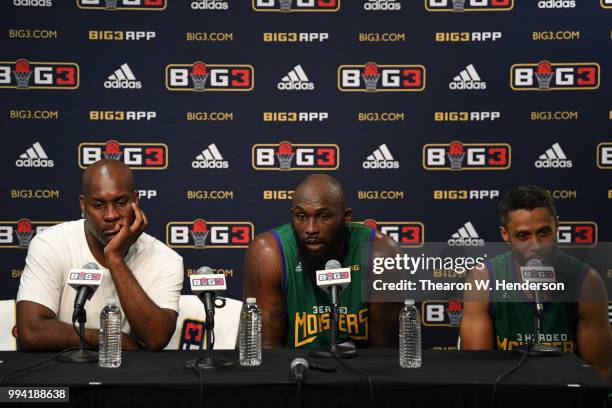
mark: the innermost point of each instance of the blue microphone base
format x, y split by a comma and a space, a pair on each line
334, 352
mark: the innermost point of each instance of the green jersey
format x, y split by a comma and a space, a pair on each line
308, 306
512, 313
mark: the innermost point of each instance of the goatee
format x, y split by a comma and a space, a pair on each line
548, 255
312, 262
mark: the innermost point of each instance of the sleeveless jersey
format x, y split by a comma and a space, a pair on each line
308, 310
513, 320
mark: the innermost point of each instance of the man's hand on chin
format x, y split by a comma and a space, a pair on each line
126, 235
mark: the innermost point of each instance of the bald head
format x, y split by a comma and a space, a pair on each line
319, 218
106, 170
320, 188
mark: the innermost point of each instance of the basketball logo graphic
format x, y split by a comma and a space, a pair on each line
199, 233
544, 74
458, 6
24, 232
285, 155
455, 154
199, 74
371, 75
455, 312
547, 76
22, 73
285, 5
370, 223
112, 150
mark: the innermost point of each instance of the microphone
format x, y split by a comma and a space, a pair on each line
536, 272
85, 281
334, 278
299, 368
207, 285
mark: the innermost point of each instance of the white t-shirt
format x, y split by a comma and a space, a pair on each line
52, 253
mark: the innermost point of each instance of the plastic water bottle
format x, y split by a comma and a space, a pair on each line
249, 340
110, 335
409, 336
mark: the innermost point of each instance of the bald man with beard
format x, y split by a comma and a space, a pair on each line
280, 267
142, 273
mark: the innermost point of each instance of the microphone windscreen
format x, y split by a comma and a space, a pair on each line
204, 270
299, 361
534, 263
333, 264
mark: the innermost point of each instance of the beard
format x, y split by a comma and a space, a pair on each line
312, 262
547, 254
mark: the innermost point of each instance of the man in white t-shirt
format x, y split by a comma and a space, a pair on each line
143, 274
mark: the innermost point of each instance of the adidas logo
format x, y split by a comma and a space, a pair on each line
382, 5
210, 158
209, 5
122, 78
554, 158
295, 80
35, 156
33, 3
466, 236
381, 158
548, 4
467, 79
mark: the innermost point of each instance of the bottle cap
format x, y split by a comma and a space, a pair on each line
251, 301
409, 302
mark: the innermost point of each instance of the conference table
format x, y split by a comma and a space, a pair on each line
373, 379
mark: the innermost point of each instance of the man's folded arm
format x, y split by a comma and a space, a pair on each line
150, 323
40, 330
38, 300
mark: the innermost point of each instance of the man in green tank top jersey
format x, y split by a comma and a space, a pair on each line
280, 267
529, 224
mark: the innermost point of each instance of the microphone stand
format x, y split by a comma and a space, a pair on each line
334, 350
81, 355
537, 349
208, 361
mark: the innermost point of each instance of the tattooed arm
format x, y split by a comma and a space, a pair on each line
263, 280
